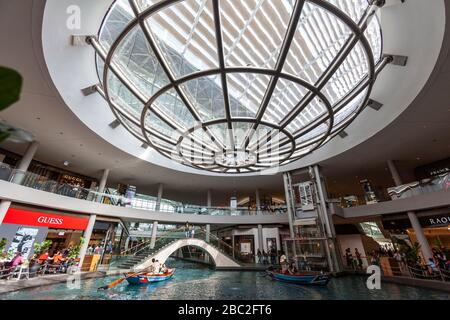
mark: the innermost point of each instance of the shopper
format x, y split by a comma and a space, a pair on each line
348, 258
192, 231
358, 259
432, 268
43, 257
186, 229
265, 257
259, 255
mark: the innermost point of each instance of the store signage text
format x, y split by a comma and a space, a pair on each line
42, 219
49, 220
439, 221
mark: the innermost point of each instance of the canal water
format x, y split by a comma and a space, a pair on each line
193, 282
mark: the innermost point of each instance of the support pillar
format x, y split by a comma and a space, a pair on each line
260, 238
19, 172
421, 238
158, 199
208, 199
289, 203
87, 236
127, 243
208, 231
102, 184
154, 231
258, 202
331, 247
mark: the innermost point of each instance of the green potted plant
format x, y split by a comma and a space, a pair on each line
40, 248
10, 89
74, 252
3, 245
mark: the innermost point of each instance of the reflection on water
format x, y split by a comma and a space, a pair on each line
192, 281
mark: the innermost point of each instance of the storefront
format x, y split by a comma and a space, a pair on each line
23, 227
435, 227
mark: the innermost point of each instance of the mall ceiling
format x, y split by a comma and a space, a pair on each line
418, 136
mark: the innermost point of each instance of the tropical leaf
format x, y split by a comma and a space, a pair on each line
10, 87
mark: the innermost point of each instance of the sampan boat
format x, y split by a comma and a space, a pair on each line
149, 277
306, 279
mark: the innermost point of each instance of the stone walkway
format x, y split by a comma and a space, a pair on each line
14, 285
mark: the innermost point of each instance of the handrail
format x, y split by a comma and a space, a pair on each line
150, 241
138, 201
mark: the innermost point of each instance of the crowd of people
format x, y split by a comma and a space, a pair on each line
42, 263
189, 230
355, 260
439, 263
272, 256
100, 248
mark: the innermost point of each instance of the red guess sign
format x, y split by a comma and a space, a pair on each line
42, 219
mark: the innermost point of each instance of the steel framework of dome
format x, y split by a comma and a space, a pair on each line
238, 86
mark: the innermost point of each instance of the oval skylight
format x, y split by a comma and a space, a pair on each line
238, 86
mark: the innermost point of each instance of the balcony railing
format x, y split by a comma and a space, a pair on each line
439, 183
137, 201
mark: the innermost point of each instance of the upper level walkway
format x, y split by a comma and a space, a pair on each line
31, 196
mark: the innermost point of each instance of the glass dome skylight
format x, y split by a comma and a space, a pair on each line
236, 86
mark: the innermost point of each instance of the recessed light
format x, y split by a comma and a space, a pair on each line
66, 163
418, 158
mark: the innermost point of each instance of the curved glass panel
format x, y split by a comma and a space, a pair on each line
244, 116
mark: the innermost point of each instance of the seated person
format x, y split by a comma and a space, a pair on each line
164, 269
43, 257
11, 265
292, 269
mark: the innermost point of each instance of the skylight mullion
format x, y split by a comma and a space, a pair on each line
290, 33
221, 58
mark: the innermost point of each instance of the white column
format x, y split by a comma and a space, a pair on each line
127, 242
154, 231
103, 180
421, 238
4, 207
87, 236
330, 243
102, 185
209, 199
208, 231
289, 206
258, 202
394, 173
260, 238
158, 199
24, 163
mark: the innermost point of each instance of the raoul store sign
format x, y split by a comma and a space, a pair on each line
437, 221
42, 219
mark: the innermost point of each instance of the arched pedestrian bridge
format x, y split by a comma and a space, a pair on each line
220, 259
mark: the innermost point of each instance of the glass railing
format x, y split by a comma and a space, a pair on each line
138, 201
408, 190
439, 183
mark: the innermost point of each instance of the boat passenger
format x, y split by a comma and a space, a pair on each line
292, 269
283, 263
157, 267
